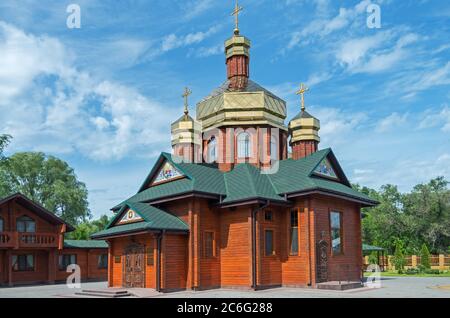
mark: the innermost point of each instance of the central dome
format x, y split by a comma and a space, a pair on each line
251, 105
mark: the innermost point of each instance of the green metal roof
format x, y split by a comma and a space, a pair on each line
85, 244
153, 219
247, 182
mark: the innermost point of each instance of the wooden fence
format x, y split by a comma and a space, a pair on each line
441, 262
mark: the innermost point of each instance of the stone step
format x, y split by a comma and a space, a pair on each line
104, 293
336, 285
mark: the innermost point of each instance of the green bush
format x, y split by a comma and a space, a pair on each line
373, 259
412, 271
432, 271
425, 257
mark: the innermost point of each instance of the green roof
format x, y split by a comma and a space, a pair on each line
247, 182
87, 244
153, 219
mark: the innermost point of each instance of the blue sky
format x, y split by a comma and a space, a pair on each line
102, 97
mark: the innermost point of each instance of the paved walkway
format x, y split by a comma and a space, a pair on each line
404, 287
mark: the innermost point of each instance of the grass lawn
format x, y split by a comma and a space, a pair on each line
392, 274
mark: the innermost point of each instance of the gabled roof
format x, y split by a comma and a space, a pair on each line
38, 209
154, 219
246, 182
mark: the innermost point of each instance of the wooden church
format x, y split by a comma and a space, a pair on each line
231, 207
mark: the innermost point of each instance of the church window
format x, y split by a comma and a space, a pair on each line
25, 224
294, 233
102, 261
209, 243
23, 263
325, 169
336, 232
268, 216
212, 150
66, 260
273, 148
244, 145
268, 243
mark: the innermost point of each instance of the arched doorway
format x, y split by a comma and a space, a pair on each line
134, 266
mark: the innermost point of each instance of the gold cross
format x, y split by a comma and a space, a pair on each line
185, 95
236, 12
301, 92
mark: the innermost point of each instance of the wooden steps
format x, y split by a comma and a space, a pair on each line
105, 293
336, 285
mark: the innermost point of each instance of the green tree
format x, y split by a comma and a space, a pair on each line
399, 258
425, 257
86, 229
427, 214
4, 142
46, 180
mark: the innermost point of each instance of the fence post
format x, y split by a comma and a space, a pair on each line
414, 260
441, 262
389, 260
366, 260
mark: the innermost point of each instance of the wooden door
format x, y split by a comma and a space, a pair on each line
134, 267
322, 261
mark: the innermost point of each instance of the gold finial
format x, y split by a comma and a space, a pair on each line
301, 92
237, 10
185, 95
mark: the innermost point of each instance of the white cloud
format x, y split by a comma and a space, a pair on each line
322, 27
437, 119
207, 51
370, 55
390, 122
49, 105
173, 41
336, 125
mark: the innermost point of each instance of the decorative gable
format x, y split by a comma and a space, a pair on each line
326, 169
167, 173
130, 216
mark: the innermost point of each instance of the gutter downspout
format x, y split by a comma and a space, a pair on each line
158, 261
254, 267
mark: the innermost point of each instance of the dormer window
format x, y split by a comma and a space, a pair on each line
244, 145
25, 224
325, 169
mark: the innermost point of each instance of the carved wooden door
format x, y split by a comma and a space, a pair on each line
322, 261
134, 267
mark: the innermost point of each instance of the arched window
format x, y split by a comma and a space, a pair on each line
273, 148
212, 149
244, 145
25, 224
1, 224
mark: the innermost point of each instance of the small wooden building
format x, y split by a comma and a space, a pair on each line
33, 249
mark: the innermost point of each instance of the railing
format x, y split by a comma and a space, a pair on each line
8, 239
29, 240
38, 240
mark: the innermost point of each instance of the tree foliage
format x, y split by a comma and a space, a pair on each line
4, 141
399, 258
46, 180
419, 217
86, 229
425, 257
